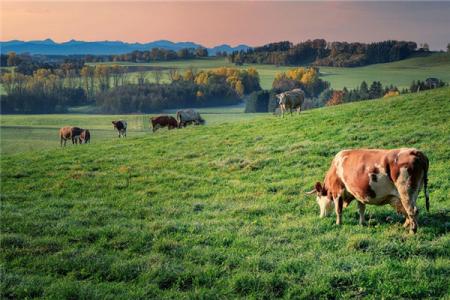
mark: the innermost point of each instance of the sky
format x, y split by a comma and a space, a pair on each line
239, 22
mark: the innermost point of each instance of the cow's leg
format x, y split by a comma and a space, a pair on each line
361, 210
408, 196
61, 141
338, 203
298, 110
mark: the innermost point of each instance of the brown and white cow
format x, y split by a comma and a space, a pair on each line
378, 177
69, 132
291, 100
163, 121
85, 136
121, 127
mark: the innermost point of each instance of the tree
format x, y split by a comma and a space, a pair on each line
201, 52
257, 102
376, 90
336, 99
141, 76
448, 48
173, 75
157, 75
88, 76
12, 60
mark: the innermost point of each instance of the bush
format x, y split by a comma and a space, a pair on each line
257, 102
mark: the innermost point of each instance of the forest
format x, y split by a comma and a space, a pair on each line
319, 52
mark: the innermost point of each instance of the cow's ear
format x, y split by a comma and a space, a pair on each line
318, 187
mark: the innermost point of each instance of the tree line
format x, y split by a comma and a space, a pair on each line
191, 88
114, 90
26, 63
319, 52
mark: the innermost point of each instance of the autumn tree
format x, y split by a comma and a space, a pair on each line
88, 76
157, 75
336, 98
173, 74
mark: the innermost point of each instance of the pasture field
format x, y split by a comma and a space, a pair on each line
399, 73
22, 133
220, 211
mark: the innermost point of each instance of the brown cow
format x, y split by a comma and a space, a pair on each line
163, 121
376, 177
69, 132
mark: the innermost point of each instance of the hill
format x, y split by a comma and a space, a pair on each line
400, 73
74, 47
220, 212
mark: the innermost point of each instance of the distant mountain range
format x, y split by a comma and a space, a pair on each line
73, 47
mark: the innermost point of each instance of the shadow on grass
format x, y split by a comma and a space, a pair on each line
437, 222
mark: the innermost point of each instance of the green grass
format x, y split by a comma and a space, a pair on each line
220, 212
22, 133
400, 73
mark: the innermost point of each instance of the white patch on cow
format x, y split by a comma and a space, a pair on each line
382, 186
339, 164
325, 205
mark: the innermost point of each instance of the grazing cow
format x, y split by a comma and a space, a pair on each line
163, 121
291, 100
376, 177
69, 132
188, 116
121, 127
85, 136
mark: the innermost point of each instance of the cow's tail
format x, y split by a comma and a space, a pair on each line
425, 190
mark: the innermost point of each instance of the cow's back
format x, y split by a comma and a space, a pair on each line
371, 174
65, 132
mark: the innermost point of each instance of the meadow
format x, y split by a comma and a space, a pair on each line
23, 133
220, 211
399, 73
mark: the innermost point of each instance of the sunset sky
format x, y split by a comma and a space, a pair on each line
214, 23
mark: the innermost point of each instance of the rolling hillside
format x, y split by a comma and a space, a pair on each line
219, 212
399, 73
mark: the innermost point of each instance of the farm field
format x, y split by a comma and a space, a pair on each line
220, 211
400, 73
22, 133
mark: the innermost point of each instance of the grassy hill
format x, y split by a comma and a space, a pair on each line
399, 73
220, 212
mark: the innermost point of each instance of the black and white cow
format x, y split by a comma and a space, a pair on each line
121, 127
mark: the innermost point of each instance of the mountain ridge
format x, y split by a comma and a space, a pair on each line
77, 47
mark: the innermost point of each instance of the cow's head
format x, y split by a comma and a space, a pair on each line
281, 101
324, 202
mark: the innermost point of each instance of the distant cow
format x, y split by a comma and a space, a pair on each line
163, 121
375, 177
189, 116
121, 127
69, 132
85, 136
291, 100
